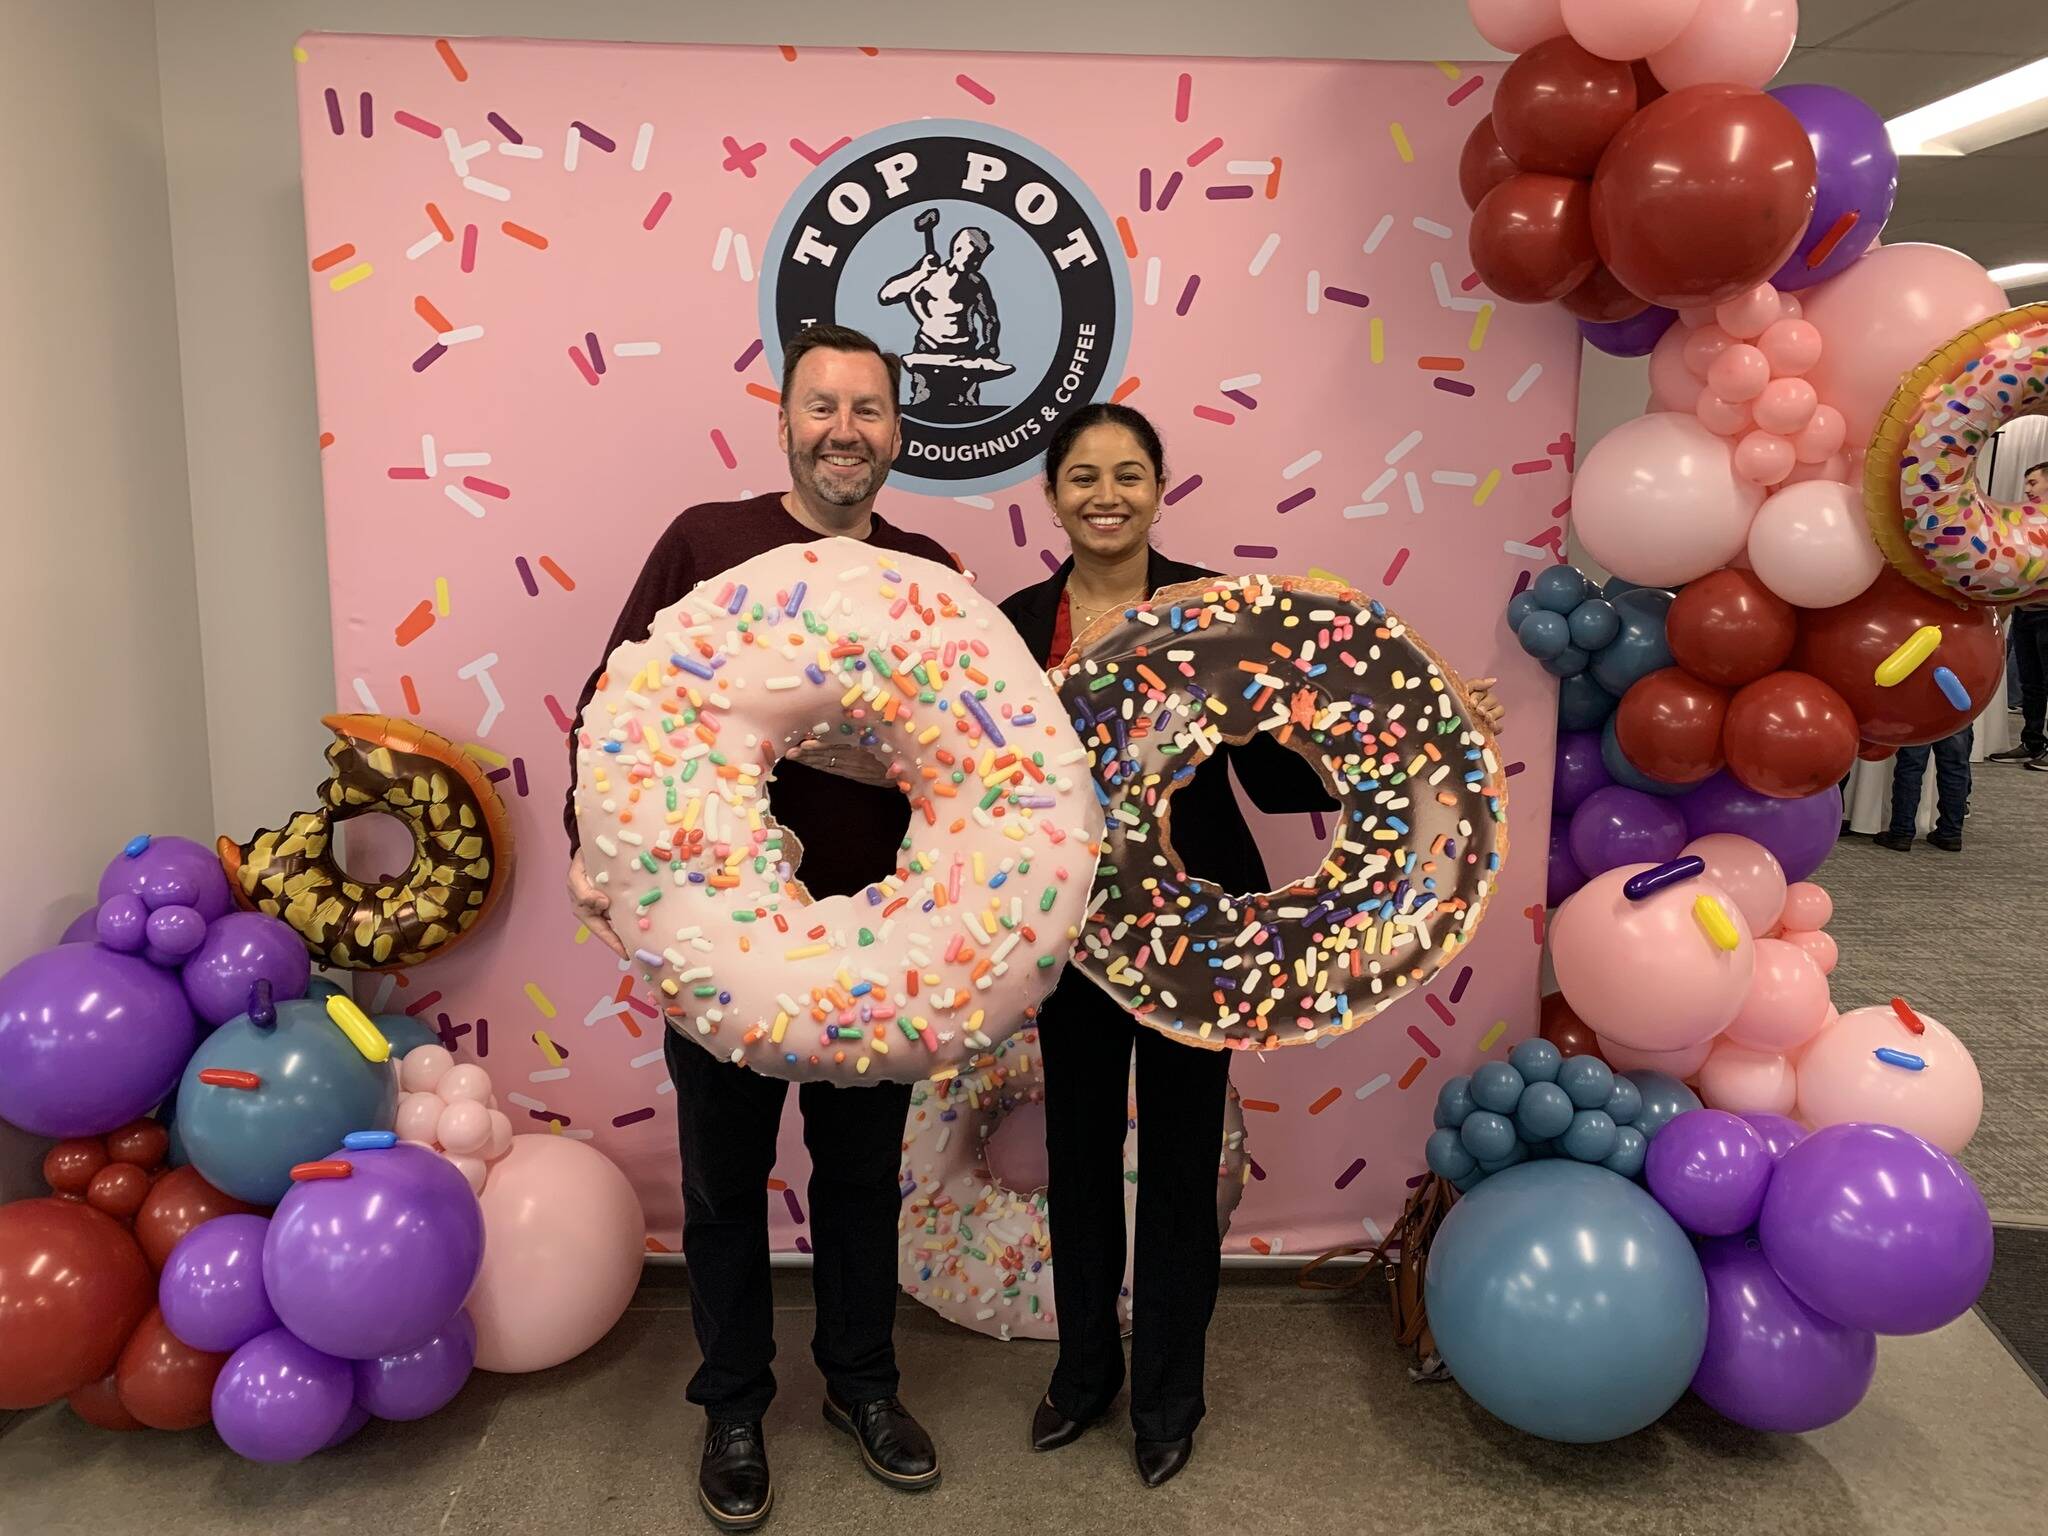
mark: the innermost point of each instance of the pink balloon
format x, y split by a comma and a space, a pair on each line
501, 1136
1695, 316
472, 1169
1764, 458
1841, 1078
418, 1116
1746, 315
1785, 407
1787, 1001
468, 1081
1739, 373
1819, 947
563, 1241
1657, 501
1673, 385
1821, 439
1724, 418
1746, 1082
1729, 42
465, 1128
1703, 345
1681, 1063
1747, 870
1835, 468
1884, 316
1626, 29
1811, 545
1790, 307
1610, 954
423, 1068
1792, 345
1807, 908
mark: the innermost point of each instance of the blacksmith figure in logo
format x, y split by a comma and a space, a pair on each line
955, 349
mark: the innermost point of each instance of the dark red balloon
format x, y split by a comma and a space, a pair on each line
1874, 751
1558, 106
1648, 87
1482, 163
1532, 238
1728, 628
1789, 735
1565, 1029
1702, 195
1844, 645
99, 1403
177, 1203
1669, 725
1602, 300
144, 1143
73, 1285
164, 1383
69, 1166
119, 1190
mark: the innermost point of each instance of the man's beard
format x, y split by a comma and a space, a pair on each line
836, 490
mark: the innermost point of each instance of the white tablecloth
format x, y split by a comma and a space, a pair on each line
1867, 801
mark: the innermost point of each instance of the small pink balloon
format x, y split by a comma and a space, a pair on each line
423, 1068
1516, 26
1703, 345
1739, 373
1695, 316
1729, 42
1610, 953
1926, 1084
465, 1127
1724, 418
468, 1081
501, 1136
1746, 315
1747, 1082
1835, 468
1787, 1002
418, 1115
1822, 437
1681, 1063
1764, 458
1785, 406
1820, 947
1673, 386
1808, 908
1657, 501
1747, 870
473, 1169
1791, 345
1790, 307
1626, 29
1811, 544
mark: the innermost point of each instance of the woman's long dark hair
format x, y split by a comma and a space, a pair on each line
1102, 413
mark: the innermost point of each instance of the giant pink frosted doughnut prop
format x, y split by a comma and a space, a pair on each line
873, 653
978, 1252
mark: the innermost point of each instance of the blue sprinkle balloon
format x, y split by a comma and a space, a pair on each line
1537, 1060
1498, 1087
1582, 704
1544, 634
1591, 1137
1587, 1079
1487, 1136
1454, 1102
1545, 1112
1446, 1155
1630, 1148
1594, 624
1624, 1103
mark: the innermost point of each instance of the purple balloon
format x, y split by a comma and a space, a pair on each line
211, 1290
1579, 771
121, 923
1633, 337
1772, 1362
1858, 172
82, 929
280, 1399
170, 872
1709, 1169
1780, 1134
242, 949
1617, 826
1877, 1229
354, 1420
1799, 833
423, 1380
89, 1040
1562, 876
173, 932
375, 1263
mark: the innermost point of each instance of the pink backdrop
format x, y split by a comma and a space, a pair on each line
1336, 395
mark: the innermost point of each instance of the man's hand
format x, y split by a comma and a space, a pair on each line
928, 262
1492, 712
591, 905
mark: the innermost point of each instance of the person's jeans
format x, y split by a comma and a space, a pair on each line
1951, 784
2030, 651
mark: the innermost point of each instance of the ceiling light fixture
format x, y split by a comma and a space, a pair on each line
2021, 274
1989, 113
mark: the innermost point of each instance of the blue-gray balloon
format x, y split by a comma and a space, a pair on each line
1454, 1102
1546, 1112
1582, 704
1487, 1136
1629, 1150
1560, 588
1498, 1087
1516, 1154
1520, 606
1638, 647
1591, 1137
1544, 634
1587, 1079
405, 1033
1464, 1185
1541, 1148
1536, 1059
1446, 1155
1595, 623
1566, 1302
1624, 772
1569, 662
1624, 1103
1665, 1098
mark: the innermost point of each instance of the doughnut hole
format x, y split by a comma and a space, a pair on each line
1292, 847
376, 847
817, 806
1016, 1150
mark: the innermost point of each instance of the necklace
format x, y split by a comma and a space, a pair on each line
1087, 615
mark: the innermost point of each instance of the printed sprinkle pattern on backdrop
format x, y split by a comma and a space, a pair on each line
534, 278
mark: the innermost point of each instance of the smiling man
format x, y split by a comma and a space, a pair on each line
840, 427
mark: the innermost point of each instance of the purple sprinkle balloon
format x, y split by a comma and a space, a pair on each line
1856, 181
1709, 1169
89, 1040
240, 950
171, 871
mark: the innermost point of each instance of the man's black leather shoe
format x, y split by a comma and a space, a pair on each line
733, 1482
893, 1445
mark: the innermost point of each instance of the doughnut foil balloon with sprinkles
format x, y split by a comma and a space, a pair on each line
1337, 677
838, 644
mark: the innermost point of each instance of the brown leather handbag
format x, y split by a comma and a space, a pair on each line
1401, 1257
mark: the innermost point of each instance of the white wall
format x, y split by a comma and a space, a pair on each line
99, 640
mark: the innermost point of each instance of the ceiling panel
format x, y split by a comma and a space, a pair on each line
1825, 21
1894, 82
2019, 28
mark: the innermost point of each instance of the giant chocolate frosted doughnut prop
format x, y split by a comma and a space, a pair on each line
1418, 843
890, 657
978, 1252
462, 850
1935, 523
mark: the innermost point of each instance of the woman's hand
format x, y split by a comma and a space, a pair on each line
591, 905
1491, 710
